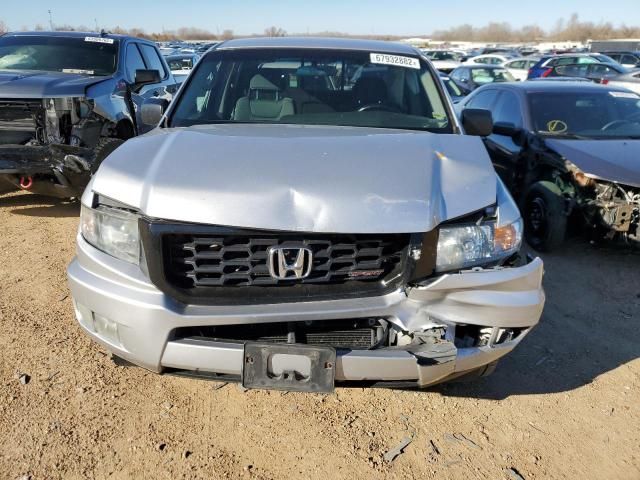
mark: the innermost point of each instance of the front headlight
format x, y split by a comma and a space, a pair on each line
466, 246
112, 230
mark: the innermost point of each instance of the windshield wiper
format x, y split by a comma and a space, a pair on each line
566, 136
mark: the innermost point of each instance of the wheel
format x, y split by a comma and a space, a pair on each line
105, 146
545, 219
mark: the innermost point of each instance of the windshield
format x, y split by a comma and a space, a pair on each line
491, 75
180, 63
85, 55
445, 56
603, 58
312, 87
590, 114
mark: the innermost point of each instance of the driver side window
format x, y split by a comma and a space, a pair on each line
507, 110
133, 62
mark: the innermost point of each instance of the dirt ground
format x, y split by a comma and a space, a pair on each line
566, 404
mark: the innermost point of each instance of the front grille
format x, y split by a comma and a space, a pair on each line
241, 260
18, 119
220, 265
353, 334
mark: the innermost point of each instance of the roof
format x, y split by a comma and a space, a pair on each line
551, 86
629, 52
74, 34
319, 43
576, 54
484, 66
177, 56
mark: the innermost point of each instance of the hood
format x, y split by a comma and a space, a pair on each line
612, 160
32, 84
301, 178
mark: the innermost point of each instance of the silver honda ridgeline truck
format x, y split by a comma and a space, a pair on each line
307, 212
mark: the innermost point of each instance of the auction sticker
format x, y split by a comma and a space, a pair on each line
395, 60
78, 71
99, 40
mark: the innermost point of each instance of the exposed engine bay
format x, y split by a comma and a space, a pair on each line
49, 145
605, 205
617, 207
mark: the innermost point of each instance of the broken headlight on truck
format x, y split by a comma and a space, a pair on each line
464, 246
112, 230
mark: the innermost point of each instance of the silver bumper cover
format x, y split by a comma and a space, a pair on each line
136, 320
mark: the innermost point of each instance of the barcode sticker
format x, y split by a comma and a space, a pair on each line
395, 60
99, 40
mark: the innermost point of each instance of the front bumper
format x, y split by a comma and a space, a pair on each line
141, 320
67, 165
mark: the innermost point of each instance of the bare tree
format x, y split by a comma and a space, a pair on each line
274, 32
563, 30
227, 34
3, 27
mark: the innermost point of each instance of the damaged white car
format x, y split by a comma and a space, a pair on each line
307, 213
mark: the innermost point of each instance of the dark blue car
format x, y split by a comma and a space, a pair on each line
545, 65
568, 151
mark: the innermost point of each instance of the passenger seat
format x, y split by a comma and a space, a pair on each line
264, 102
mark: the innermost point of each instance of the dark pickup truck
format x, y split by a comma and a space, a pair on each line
67, 100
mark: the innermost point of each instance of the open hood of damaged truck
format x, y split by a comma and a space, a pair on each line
35, 84
301, 178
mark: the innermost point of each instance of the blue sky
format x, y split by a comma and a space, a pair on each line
403, 17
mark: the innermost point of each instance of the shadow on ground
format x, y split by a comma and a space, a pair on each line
590, 326
33, 205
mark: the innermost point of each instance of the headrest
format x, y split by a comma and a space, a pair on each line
258, 82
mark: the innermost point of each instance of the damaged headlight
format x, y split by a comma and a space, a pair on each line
112, 230
464, 246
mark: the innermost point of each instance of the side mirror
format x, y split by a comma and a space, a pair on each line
477, 122
146, 77
152, 111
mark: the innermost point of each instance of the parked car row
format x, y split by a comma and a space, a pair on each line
498, 68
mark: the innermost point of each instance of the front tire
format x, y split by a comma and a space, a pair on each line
105, 146
545, 216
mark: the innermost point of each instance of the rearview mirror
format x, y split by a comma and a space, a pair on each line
152, 111
477, 122
146, 77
